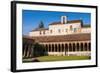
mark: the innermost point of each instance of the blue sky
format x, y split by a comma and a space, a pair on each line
32, 18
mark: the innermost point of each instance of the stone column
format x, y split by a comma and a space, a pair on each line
72, 46
68, 49
51, 48
54, 47
83, 47
79, 47
28, 51
61, 47
75, 47
45, 48
31, 52
24, 50
64, 50
48, 47
57, 49
87, 46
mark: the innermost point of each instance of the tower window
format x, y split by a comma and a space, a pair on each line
59, 30
71, 28
75, 29
63, 19
43, 32
50, 31
40, 32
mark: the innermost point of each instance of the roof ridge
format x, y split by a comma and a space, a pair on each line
69, 21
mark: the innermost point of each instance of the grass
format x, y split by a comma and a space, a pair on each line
58, 58
61, 58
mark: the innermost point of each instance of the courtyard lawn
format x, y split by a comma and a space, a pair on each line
56, 58
61, 58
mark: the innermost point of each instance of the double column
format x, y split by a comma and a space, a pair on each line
68, 47
28, 50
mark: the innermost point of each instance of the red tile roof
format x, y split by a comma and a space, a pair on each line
72, 21
63, 38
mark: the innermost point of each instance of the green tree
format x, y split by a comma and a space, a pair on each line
41, 24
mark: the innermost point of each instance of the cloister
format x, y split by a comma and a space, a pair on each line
68, 48
57, 46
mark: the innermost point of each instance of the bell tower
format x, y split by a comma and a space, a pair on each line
63, 19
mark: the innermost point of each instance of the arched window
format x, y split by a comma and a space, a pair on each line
63, 19
75, 29
55, 47
71, 27
82, 47
46, 47
40, 33
26, 49
89, 46
66, 47
23, 48
50, 31
66, 30
59, 30
77, 46
85, 46
59, 48
73, 46
49, 48
62, 47
70, 47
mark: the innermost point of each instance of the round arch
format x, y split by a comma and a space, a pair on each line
85, 46
77, 46
70, 47
56, 48
74, 47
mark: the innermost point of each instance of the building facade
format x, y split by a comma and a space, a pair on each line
64, 27
64, 38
